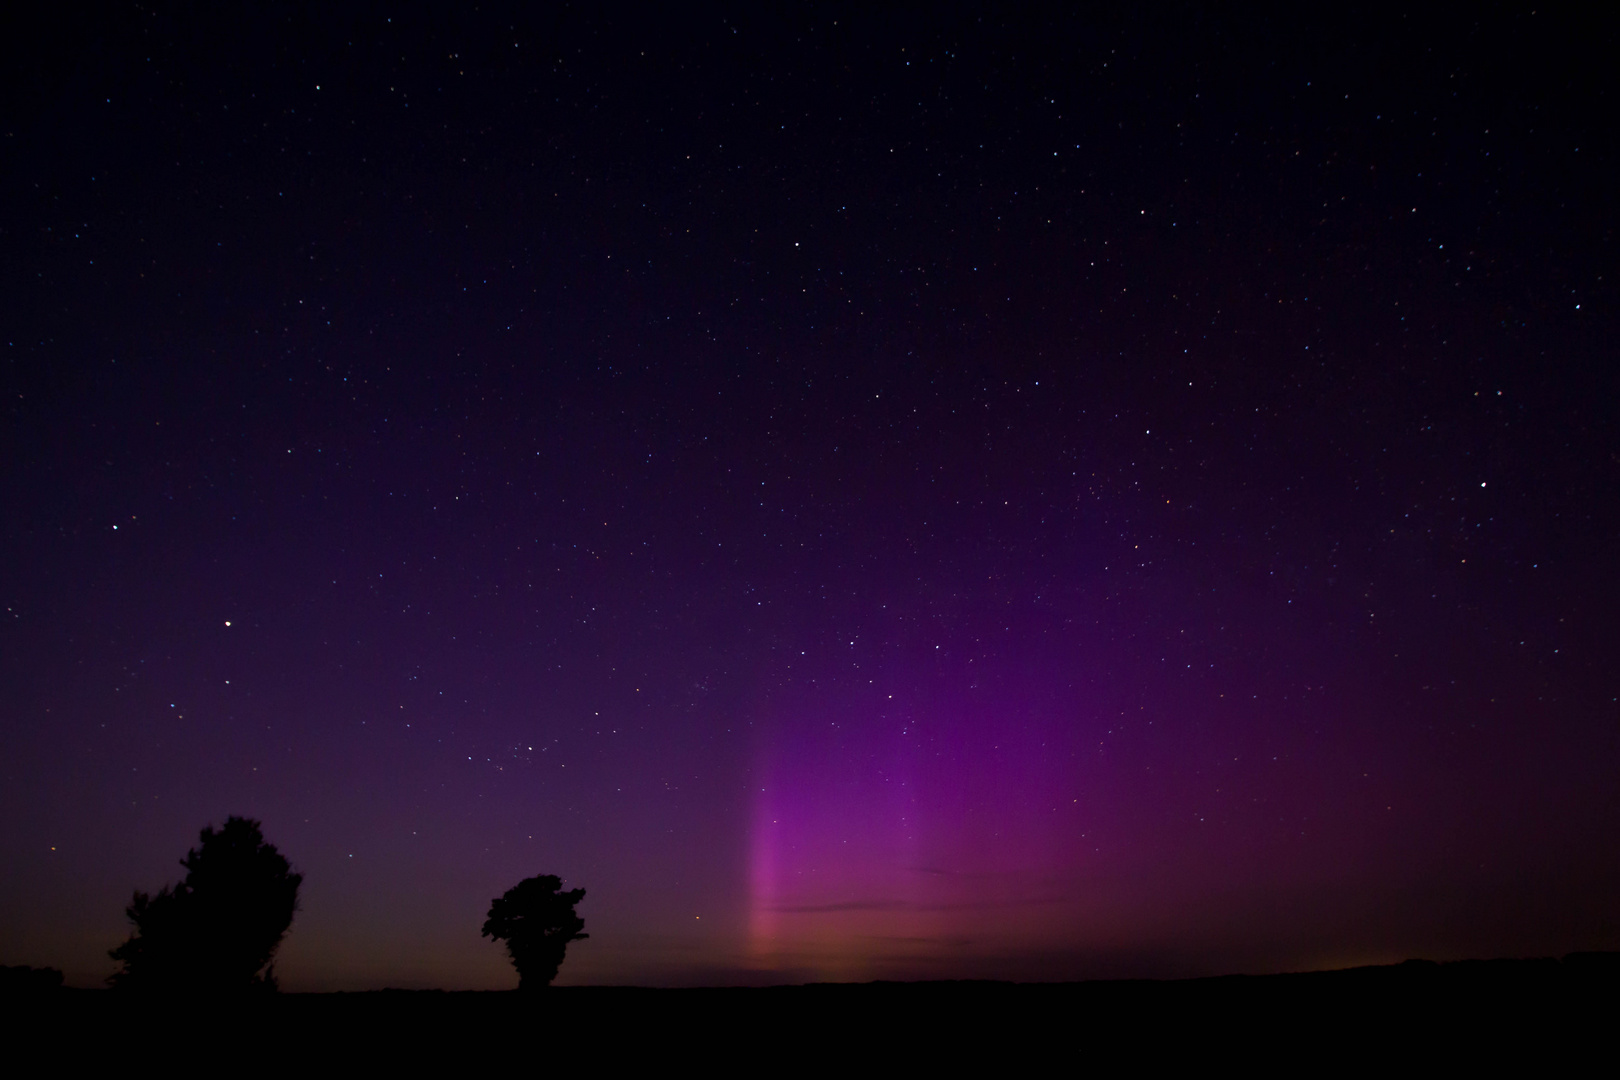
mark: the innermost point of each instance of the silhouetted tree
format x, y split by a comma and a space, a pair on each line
537, 922
218, 929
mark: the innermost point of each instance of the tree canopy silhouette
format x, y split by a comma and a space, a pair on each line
218, 929
537, 922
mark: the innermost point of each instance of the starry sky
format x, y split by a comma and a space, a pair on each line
912, 495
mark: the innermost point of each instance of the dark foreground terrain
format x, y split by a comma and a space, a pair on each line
1487, 1012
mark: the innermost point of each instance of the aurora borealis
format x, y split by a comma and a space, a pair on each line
865, 495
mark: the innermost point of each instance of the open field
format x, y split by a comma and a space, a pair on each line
1541, 1010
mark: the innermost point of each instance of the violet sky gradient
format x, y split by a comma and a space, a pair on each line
866, 496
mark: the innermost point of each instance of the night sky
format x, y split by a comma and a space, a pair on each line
866, 496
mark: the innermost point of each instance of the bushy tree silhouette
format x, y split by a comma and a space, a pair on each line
537, 922
218, 929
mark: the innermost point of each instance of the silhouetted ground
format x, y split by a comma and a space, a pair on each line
1527, 1011
29, 980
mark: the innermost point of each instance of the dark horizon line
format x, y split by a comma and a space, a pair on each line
1586, 961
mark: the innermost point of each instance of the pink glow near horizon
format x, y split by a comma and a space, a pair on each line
947, 842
